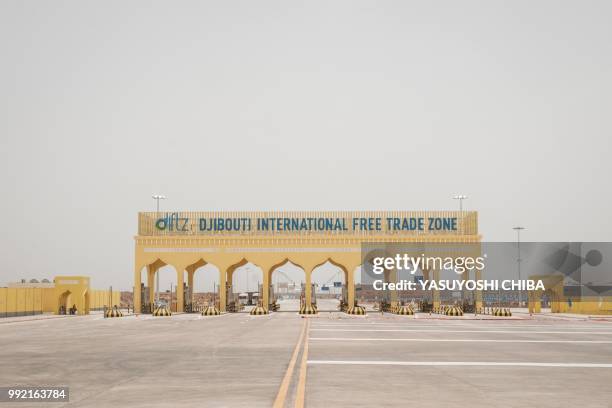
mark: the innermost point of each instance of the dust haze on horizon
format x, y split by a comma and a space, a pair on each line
296, 106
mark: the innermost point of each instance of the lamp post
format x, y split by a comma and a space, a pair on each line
518, 230
460, 197
157, 197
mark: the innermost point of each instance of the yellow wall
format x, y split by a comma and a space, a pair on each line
587, 306
100, 298
600, 305
48, 299
24, 301
30, 301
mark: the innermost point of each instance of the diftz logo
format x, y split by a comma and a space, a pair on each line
172, 222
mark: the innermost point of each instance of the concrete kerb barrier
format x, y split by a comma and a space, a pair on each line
162, 311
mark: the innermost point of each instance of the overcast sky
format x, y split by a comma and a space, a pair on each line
296, 105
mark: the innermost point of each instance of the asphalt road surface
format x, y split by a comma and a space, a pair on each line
331, 360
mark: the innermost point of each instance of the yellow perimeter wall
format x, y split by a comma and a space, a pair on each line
586, 306
100, 298
29, 301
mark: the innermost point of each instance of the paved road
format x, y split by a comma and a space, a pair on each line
241, 360
441, 363
294, 305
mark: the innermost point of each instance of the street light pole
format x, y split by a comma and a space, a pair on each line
460, 197
518, 230
157, 197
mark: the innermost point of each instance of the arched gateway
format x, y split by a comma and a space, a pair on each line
189, 240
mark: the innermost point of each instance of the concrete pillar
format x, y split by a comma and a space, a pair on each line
137, 283
266, 287
223, 288
478, 293
534, 303
308, 291
391, 276
426, 276
151, 271
180, 279
190, 273
350, 286
464, 293
436, 292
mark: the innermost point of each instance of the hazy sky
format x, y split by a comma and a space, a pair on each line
283, 105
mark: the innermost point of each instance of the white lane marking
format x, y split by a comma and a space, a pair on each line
460, 331
417, 326
460, 340
458, 363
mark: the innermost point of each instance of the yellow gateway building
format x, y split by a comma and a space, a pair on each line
229, 240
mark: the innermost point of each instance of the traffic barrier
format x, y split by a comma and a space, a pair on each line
114, 312
307, 309
405, 310
162, 311
356, 310
211, 311
258, 311
505, 312
453, 311
440, 309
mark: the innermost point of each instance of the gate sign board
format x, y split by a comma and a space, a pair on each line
331, 222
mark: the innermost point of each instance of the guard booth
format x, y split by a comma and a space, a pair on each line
72, 294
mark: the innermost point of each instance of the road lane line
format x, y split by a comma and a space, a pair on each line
279, 402
460, 340
458, 363
301, 388
463, 326
462, 331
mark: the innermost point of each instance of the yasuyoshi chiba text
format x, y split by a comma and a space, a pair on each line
468, 284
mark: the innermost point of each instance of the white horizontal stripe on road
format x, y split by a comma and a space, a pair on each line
460, 340
460, 331
463, 326
458, 363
